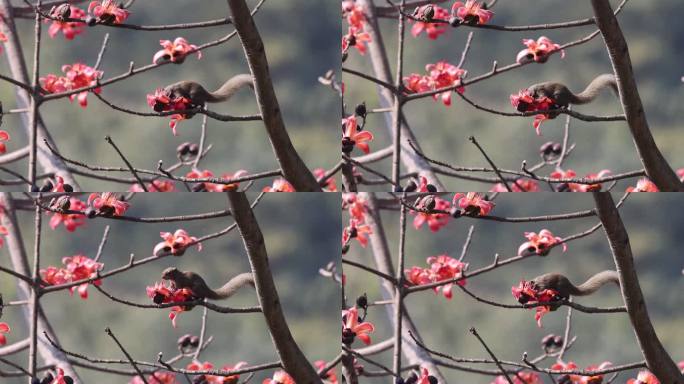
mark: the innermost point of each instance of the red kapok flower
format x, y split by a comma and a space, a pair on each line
330, 376
215, 379
77, 267
155, 186
108, 12
538, 50
440, 75
53, 84
577, 379
216, 187
162, 293
575, 187
71, 221
354, 14
175, 243
330, 185
69, 29
161, 101
644, 377
4, 136
519, 185
355, 38
352, 327
471, 12
525, 102
279, 185
435, 221
352, 136
176, 51
441, 268
232, 379
528, 293
3, 232
644, 185
279, 377
108, 203
156, 378
358, 231
79, 75
522, 377
356, 205
4, 328
432, 30
473, 204
539, 244
680, 173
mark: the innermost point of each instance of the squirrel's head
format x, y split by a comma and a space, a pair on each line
170, 273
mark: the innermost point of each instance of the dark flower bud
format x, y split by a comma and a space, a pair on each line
47, 186
362, 301
68, 380
34, 188
90, 212
344, 56
194, 341
194, 149
399, 380
353, 232
61, 12
558, 341
431, 188
47, 379
410, 186
68, 188
432, 380
412, 378
455, 212
348, 336
199, 187
522, 107
557, 148
454, 21
360, 110
35, 380
183, 149
347, 145
546, 148
345, 249
398, 188
158, 298
90, 21
159, 107
547, 341
107, 210
184, 340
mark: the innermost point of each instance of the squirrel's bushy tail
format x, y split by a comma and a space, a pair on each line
607, 80
595, 282
230, 87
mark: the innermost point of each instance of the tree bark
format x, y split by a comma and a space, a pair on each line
294, 169
294, 361
655, 165
657, 358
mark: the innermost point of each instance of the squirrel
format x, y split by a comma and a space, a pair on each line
200, 96
565, 288
195, 282
564, 97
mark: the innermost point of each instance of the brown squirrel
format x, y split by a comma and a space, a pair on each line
565, 288
564, 97
199, 96
195, 282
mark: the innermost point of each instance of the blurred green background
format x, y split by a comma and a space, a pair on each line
444, 324
296, 251
302, 42
654, 36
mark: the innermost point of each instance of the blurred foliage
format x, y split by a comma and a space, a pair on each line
652, 33
296, 251
299, 49
443, 324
